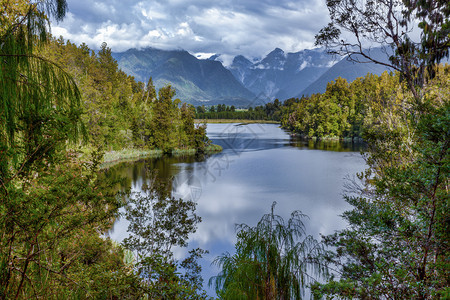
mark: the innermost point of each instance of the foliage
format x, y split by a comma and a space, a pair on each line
40, 103
397, 244
389, 24
40, 216
347, 110
159, 222
272, 260
123, 113
48, 198
54, 207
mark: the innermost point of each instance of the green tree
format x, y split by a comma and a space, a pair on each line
272, 260
40, 103
389, 24
159, 222
397, 245
163, 126
48, 197
187, 113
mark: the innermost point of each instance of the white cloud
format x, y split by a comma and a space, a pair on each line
304, 65
249, 27
202, 55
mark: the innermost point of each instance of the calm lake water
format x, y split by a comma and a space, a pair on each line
259, 164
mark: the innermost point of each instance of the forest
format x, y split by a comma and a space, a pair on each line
63, 106
120, 113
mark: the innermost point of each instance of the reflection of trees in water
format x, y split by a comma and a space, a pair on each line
326, 145
157, 223
163, 169
160, 219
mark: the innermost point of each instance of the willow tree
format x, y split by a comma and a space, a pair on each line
272, 260
39, 102
45, 194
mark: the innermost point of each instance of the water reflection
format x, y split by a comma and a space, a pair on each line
259, 164
326, 145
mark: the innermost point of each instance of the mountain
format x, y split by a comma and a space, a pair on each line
349, 70
196, 81
245, 82
281, 75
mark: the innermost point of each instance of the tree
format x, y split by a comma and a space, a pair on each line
47, 196
40, 103
272, 260
159, 222
40, 215
397, 243
163, 127
187, 113
389, 24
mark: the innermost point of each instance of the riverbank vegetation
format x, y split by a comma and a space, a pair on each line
240, 121
348, 110
56, 208
396, 244
121, 113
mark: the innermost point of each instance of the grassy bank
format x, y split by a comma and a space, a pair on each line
113, 157
127, 154
329, 138
211, 149
218, 121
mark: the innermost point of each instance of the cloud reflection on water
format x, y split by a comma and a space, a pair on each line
240, 184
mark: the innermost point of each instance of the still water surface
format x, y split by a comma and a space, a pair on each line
259, 164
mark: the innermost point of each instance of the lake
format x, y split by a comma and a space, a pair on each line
259, 164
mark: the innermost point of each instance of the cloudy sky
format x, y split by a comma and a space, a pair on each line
229, 27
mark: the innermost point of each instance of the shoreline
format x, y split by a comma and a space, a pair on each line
242, 121
117, 156
111, 158
327, 138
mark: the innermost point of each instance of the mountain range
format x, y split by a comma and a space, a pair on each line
196, 81
243, 83
281, 75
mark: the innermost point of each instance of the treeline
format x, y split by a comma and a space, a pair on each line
120, 112
345, 109
268, 112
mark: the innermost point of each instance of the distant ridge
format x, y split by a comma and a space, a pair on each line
349, 70
281, 75
195, 80
245, 82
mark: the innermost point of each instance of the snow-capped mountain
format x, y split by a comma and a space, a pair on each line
281, 75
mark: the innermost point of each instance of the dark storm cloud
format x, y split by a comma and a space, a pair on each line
230, 27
